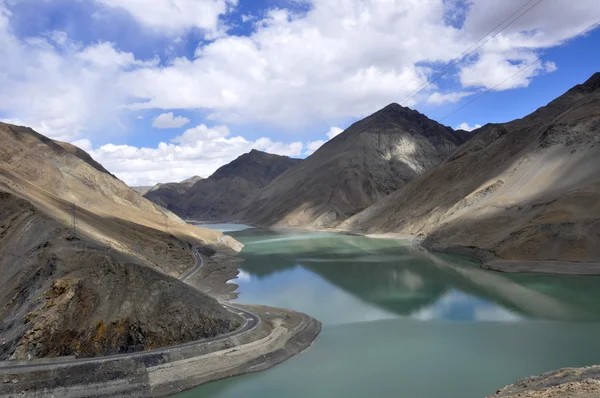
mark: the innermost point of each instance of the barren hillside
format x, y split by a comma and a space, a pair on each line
369, 160
166, 194
524, 190
53, 178
222, 194
106, 286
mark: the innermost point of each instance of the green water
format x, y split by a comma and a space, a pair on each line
402, 322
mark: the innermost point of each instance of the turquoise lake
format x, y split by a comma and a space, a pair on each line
399, 321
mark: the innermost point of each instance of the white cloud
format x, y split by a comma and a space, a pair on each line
334, 131
169, 121
103, 54
340, 59
175, 16
465, 126
312, 146
347, 58
84, 144
248, 18
492, 69
198, 151
59, 89
201, 133
439, 98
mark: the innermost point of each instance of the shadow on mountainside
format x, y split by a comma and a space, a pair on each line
63, 295
527, 180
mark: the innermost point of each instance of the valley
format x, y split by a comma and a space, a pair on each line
117, 288
299, 198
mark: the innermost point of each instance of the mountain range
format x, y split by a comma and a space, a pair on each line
514, 194
523, 190
220, 196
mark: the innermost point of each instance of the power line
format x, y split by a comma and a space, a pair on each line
589, 28
466, 54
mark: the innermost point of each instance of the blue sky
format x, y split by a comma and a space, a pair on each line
283, 76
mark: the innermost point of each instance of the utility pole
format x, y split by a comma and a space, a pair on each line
73, 221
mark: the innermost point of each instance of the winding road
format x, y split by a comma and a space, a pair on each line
250, 321
197, 265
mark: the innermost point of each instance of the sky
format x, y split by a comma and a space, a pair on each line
161, 90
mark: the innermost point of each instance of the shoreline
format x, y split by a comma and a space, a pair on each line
280, 335
268, 337
487, 259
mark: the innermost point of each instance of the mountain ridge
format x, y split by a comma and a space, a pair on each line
369, 160
218, 196
520, 190
88, 266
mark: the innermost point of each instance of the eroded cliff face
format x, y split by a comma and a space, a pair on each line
61, 295
369, 160
524, 190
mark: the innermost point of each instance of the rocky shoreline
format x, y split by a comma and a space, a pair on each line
280, 335
568, 382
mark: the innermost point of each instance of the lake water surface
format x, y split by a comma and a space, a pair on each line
403, 322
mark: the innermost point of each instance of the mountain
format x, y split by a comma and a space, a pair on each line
219, 196
165, 194
524, 190
369, 160
142, 189
87, 266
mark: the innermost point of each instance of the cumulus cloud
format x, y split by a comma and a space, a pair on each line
198, 151
347, 58
61, 90
312, 146
84, 144
439, 98
169, 121
465, 126
334, 131
175, 16
492, 69
201, 133
340, 59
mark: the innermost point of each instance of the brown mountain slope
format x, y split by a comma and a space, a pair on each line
108, 289
44, 173
62, 296
524, 190
165, 194
369, 160
220, 196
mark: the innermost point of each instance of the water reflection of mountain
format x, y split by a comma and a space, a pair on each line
403, 279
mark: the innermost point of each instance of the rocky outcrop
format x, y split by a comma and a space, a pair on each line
65, 296
221, 195
524, 190
369, 160
569, 382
